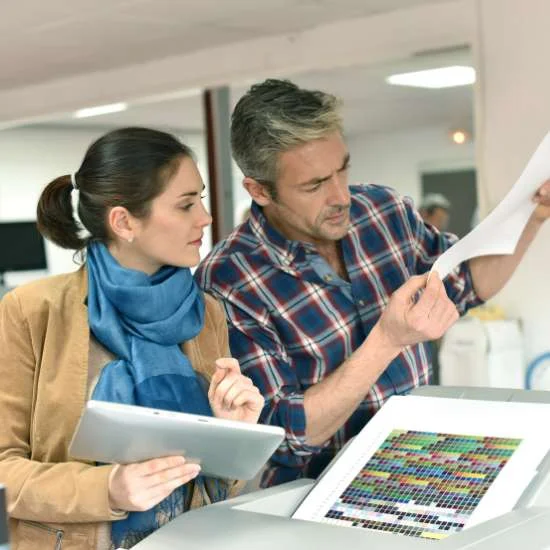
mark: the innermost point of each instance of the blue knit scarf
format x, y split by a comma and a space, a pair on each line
143, 320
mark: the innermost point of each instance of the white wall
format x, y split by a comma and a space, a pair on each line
514, 115
30, 158
397, 159
513, 109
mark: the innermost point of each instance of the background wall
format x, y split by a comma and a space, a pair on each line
509, 37
30, 157
397, 159
513, 117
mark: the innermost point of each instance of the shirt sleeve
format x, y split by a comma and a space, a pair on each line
429, 245
263, 358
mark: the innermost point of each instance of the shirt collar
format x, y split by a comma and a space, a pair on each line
282, 250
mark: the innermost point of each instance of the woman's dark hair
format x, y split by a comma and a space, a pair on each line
127, 167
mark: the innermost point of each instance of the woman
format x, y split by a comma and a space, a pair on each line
130, 326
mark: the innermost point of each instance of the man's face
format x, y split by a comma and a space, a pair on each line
312, 199
439, 218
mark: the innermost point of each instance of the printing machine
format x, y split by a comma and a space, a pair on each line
263, 519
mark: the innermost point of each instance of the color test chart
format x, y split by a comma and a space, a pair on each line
429, 467
422, 484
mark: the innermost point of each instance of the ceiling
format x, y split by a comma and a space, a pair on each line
369, 104
41, 41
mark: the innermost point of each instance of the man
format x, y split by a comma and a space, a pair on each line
325, 286
435, 210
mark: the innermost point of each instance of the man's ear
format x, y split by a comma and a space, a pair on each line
258, 191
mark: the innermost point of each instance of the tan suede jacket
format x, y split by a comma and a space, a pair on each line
56, 503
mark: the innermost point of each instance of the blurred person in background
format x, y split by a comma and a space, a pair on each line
435, 209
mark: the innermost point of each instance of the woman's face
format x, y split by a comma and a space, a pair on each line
172, 233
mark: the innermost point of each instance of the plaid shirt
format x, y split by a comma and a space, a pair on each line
293, 322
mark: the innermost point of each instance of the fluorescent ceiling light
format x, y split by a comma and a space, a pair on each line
444, 77
100, 110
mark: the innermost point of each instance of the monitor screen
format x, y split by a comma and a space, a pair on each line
21, 247
3, 518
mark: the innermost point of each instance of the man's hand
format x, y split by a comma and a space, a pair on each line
542, 198
232, 395
409, 319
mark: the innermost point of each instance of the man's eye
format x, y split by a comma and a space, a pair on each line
313, 189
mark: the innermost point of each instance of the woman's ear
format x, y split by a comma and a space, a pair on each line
258, 191
121, 223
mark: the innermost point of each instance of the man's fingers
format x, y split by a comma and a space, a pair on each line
433, 292
451, 319
543, 192
410, 289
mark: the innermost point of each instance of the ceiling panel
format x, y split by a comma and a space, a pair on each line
369, 104
41, 41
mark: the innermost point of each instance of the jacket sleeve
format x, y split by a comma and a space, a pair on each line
64, 492
234, 487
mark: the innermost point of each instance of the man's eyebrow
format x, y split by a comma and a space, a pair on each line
192, 193
316, 181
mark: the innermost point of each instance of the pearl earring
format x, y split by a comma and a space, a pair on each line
131, 240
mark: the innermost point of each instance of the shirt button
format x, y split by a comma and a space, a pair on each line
361, 302
328, 278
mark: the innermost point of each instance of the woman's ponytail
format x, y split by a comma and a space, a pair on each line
54, 215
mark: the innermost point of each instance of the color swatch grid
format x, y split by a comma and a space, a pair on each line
422, 484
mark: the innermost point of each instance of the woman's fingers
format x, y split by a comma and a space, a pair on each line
241, 383
155, 465
133, 486
249, 397
225, 366
227, 388
185, 472
151, 496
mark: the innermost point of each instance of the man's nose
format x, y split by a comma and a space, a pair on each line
338, 191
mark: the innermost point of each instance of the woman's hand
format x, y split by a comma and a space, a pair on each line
232, 395
139, 487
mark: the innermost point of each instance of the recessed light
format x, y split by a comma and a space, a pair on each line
100, 110
459, 137
443, 77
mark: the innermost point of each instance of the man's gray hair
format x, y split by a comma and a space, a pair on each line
431, 201
276, 116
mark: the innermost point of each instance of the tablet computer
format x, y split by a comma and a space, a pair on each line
117, 433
